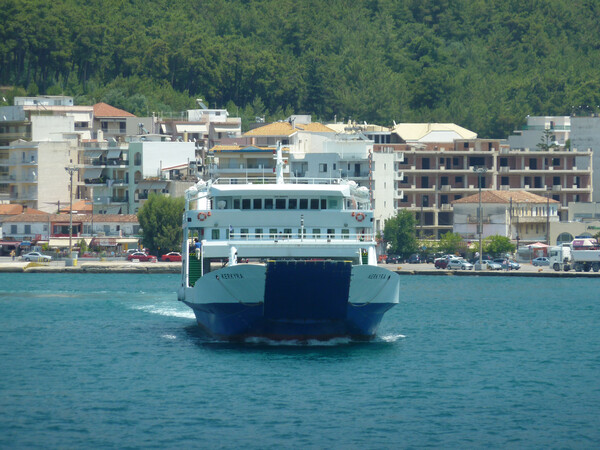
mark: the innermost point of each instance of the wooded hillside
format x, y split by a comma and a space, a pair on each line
484, 64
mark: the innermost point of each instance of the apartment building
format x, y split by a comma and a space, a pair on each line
532, 134
428, 177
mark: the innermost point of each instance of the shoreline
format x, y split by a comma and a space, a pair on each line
124, 266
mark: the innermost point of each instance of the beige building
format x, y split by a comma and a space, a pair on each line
517, 215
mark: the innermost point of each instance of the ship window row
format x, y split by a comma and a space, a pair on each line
280, 233
279, 203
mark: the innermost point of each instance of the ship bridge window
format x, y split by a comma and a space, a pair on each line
345, 233
257, 203
314, 203
246, 203
333, 203
303, 203
280, 203
316, 232
215, 234
268, 203
323, 203
244, 233
287, 233
330, 233
293, 203
236, 203
258, 233
272, 233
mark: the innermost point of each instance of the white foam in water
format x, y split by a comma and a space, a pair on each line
299, 343
169, 336
164, 310
391, 337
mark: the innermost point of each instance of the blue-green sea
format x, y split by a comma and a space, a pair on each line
114, 361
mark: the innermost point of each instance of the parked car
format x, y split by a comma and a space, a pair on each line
441, 263
461, 264
36, 256
393, 259
541, 261
132, 250
141, 256
507, 263
491, 264
171, 257
414, 259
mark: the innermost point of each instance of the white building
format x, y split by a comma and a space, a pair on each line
531, 134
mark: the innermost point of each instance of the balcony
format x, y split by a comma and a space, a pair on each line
446, 207
504, 169
556, 187
446, 188
505, 187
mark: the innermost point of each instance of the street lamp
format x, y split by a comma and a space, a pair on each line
70, 170
480, 171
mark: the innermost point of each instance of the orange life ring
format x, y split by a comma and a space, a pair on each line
201, 216
359, 217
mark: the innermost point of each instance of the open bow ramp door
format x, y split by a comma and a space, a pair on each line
307, 290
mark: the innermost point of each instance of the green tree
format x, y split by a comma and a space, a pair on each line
498, 245
160, 219
451, 243
400, 234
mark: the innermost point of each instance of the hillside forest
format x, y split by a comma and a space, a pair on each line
483, 64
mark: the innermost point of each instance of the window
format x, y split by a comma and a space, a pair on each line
345, 233
458, 180
280, 203
444, 181
425, 201
27, 229
13, 229
268, 203
532, 163
503, 162
555, 161
504, 181
257, 203
287, 233
272, 233
104, 126
424, 182
236, 203
303, 203
330, 233
122, 127
444, 199
137, 159
314, 203
258, 233
316, 232
244, 233
322, 168
556, 180
216, 234
246, 203
293, 203
323, 203
425, 163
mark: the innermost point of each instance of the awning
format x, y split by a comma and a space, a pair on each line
90, 174
9, 244
163, 128
114, 153
80, 117
538, 245
225, 130
92, 153
104, 242
190, 128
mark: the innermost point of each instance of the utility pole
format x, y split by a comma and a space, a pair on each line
480, 171
71, 170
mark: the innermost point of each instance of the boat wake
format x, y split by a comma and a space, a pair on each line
389, 338
165, 310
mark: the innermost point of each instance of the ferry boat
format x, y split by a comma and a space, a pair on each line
283, 260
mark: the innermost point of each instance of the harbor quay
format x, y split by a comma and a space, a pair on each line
7, 265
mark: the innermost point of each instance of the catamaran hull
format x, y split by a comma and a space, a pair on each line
293, 300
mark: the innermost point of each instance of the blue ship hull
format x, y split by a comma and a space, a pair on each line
301, 300
239, 321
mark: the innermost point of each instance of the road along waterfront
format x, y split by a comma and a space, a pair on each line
124, 266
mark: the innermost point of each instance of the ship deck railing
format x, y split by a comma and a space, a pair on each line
308, 237
272, 180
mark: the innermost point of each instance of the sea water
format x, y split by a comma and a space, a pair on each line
101, 360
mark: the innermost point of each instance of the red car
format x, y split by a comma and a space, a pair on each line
141, 256
171, 257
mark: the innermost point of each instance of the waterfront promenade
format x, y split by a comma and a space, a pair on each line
124, 266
